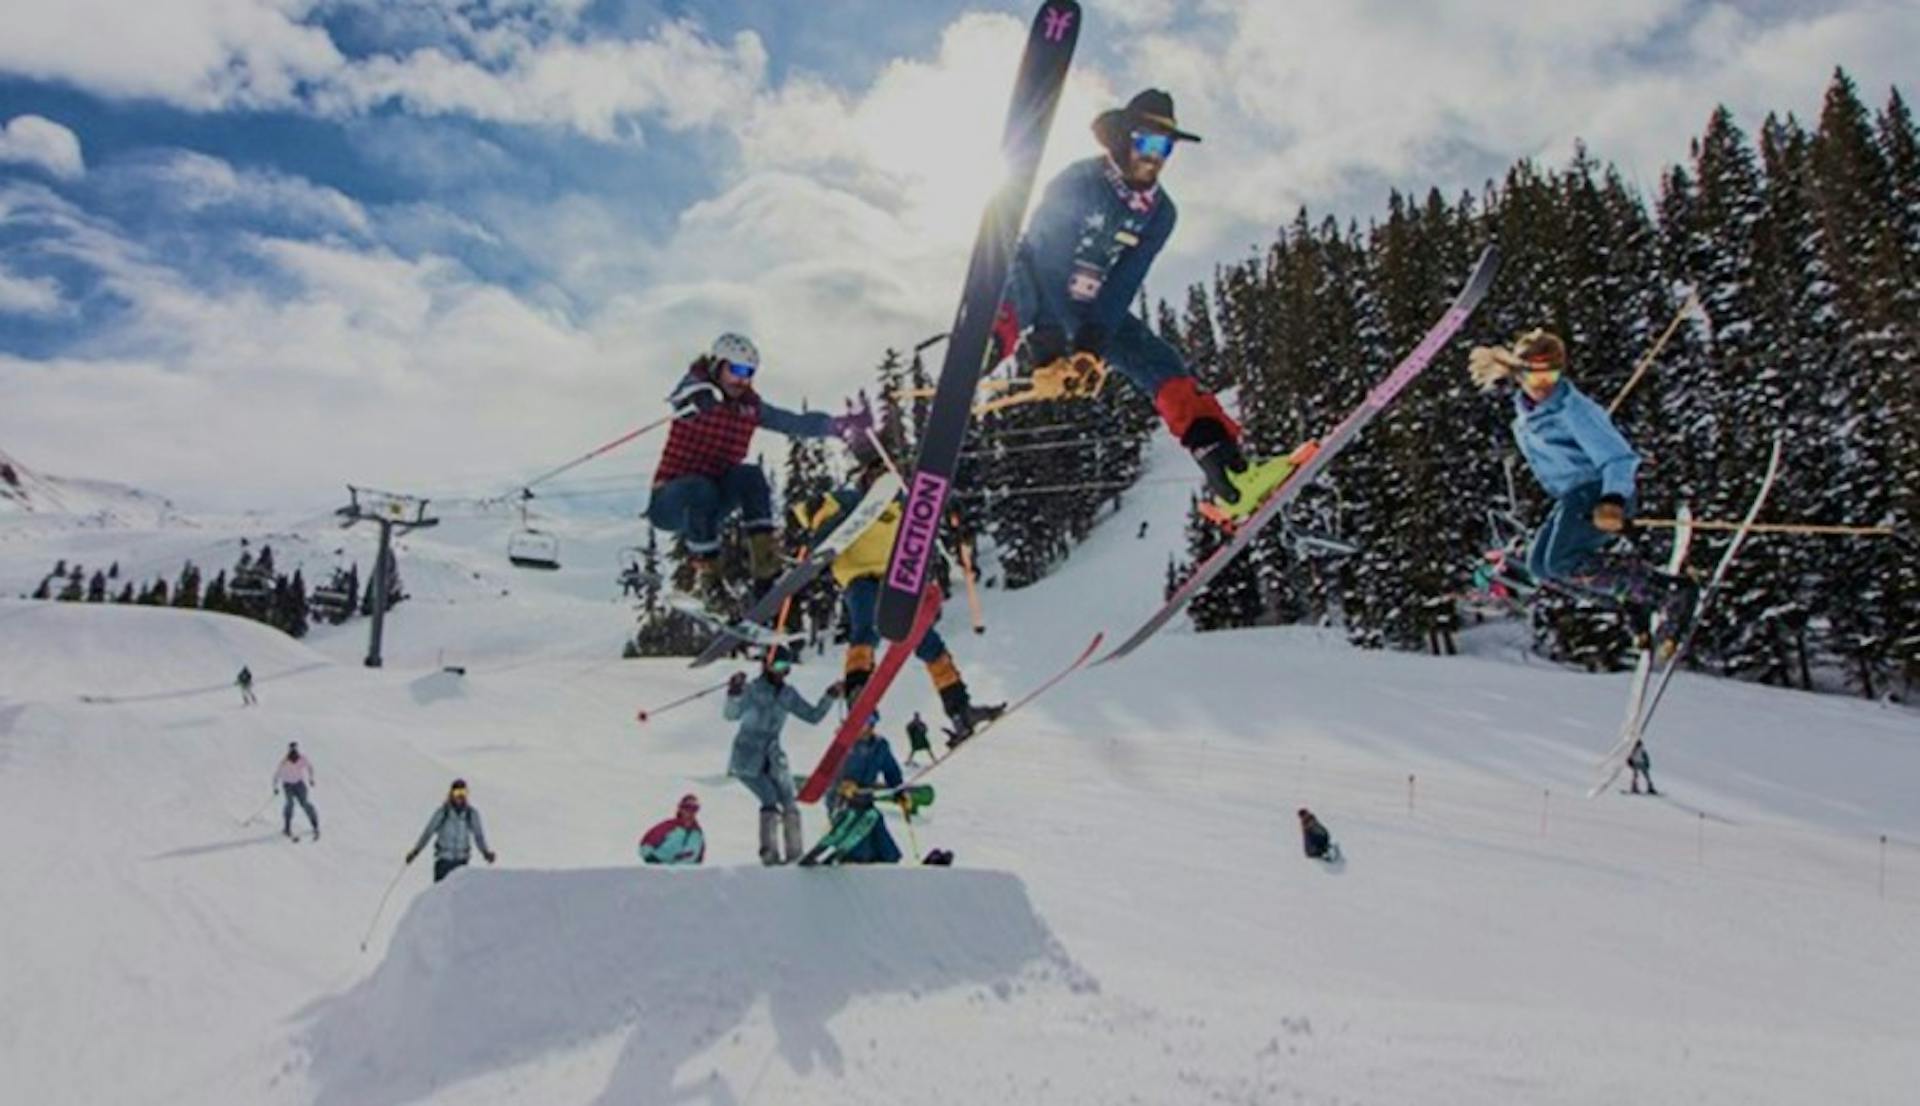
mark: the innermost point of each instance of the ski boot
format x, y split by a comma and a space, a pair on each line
1239, 488
964, 717
1675, 615
710, 590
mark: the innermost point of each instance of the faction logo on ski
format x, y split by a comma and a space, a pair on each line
1059, 22
917, 532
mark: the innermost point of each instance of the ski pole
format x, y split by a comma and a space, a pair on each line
263, 809
913, 842
973, 593
608, 448
1771, 527
381, 909
1646, 362
646, 715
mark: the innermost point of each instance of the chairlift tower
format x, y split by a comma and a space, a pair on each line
402, 512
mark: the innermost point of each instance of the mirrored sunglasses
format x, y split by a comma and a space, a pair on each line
740, 369
1153, 144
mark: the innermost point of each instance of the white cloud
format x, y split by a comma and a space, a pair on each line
38, 141
28, 295
194, 183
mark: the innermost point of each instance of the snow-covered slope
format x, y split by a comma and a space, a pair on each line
1131, 920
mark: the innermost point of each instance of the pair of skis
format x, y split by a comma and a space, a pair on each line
1641, 705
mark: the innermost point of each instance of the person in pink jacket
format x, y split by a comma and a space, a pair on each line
294, 778
679, 839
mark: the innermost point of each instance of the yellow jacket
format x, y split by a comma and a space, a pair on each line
868, 554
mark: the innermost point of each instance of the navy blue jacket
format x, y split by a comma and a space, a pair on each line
1087, 250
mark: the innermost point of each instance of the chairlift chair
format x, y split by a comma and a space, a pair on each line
531, 547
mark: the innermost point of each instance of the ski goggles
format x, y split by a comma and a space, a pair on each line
780, 666
1154, 144
739, 370
457, 793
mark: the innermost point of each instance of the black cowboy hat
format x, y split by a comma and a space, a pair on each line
1151, 109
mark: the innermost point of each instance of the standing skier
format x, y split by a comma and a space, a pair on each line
703, 475
858, 569
1077, 271
1642, 766
869, 765
1584, 463
245, 682
454, 829
293, 778
917, 738
758, 760
679, 839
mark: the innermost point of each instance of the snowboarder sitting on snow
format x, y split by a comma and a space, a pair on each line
869, 765
1642, 765
858, 570
703, 475
679, 839
245, 682
455, 828
1315, 838
1583, 462
293, 778
759, 762
1078, 269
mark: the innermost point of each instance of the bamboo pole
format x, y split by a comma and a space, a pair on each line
1772, 527
1646, 361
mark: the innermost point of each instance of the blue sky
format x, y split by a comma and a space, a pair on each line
250, 249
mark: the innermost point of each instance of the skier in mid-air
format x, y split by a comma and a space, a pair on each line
1077, 271
704, 475
858, 569
1583, 462
758, 760
293, 778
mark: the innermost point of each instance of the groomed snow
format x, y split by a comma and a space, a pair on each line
1131, 920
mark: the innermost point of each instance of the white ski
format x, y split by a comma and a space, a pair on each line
1643, 668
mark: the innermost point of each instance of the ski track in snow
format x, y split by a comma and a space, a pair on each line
1132, 921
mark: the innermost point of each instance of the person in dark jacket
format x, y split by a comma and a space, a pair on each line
917, 742
1642, 766
1078, 269
869, 765
1315, 838
454, 830
245, 682
704, 475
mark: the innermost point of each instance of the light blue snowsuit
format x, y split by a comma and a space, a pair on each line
758, 761
1578, 456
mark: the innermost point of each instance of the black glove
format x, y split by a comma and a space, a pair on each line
1046, 343
1091, 338
736, 683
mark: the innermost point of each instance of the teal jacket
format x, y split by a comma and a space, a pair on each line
762, 709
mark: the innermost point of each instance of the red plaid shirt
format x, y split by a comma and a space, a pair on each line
708, 443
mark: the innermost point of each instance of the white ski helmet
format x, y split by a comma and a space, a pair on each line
737, 348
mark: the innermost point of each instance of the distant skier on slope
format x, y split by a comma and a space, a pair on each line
917, 742
1315, 839
758, 761
1078, 269
679, 839
1642, 766
454, 828
293, 778
858, 569
1584, 463
245, 682
869, 765
704, 477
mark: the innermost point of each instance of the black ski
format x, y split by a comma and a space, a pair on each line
1036, 93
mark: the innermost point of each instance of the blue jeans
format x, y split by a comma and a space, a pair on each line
296, 793
1134, 351
862, 599
693, 506
1567, 540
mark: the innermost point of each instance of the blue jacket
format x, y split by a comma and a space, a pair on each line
453, 833
762, 710
870, 764
1086, 250
1570, 441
